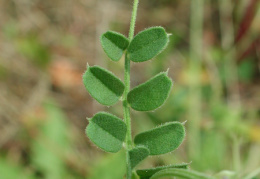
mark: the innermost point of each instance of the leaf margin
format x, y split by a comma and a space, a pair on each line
109, 73
119, 35
149, 81
115, 118
159, 51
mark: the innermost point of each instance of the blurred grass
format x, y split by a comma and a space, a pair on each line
45, 46
52, 144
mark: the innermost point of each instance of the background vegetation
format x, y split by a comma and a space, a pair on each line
213, 59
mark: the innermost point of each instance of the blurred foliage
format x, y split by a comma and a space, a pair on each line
51, 144
34, 50
112, 166
246, 71
11, 171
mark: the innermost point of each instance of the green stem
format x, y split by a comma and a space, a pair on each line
194, 110
133, 19
128, 141
236, 154
126, 107
227, 43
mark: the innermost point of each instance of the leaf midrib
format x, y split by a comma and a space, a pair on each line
106, 131
99, 79
143, 46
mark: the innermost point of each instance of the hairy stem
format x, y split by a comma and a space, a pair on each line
127, 89
126, 107
133, 19
230, 70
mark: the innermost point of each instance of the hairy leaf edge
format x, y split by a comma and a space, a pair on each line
163, 125
114, 32
164, 47
89, 119
144, 83
111, 73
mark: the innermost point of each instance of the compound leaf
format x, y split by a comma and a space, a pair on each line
102, 85
106, 131
151, 94
182, 173
147, 173
147, 44
114, 44
138, 154
163, 139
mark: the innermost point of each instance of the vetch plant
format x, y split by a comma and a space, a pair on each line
109, 132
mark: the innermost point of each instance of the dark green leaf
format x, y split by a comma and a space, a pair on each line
106, 131
114, 44
134, 175
147, 44
137, 154
163, 139
102, 85
151, 94
182, 173
147, 173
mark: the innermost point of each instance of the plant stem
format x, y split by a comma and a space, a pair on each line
194, 110
236, 154
128, 141
231, 73
227, 43
126, 107
133, 19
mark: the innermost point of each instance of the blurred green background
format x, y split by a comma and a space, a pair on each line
213, 59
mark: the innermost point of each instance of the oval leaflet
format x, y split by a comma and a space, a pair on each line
147, 44
151, 94
114, 44
147, 173
180, 173
138, 154
106, 131
102, 85
163, 139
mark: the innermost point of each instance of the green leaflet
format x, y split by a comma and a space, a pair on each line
151, 94
147, 44
134, 175
147, 173
106, 131
182, 173
102, 85
114, 44
138, 154
163, 139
